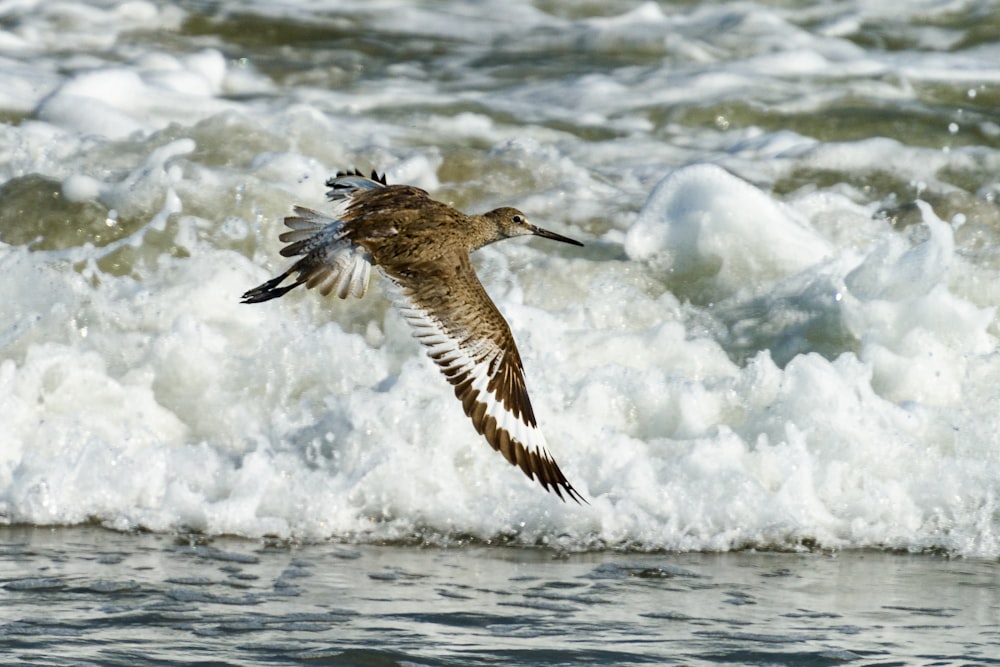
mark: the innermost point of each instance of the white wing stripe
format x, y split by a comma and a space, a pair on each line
453, 358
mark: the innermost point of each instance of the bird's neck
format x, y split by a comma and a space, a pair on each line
481, 232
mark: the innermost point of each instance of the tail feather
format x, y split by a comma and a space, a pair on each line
295, 236
330, 261
307, 219
345, 272
297, 248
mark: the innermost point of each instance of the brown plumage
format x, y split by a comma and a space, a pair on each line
422, 247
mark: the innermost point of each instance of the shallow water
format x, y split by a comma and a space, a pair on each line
90, 596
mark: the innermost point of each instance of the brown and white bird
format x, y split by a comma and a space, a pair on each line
421, 246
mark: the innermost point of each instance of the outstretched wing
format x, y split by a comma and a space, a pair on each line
347, 183
331, 261
468, 338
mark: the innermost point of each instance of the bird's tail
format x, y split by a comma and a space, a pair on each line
331, 262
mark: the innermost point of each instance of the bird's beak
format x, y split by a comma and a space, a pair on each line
546, 234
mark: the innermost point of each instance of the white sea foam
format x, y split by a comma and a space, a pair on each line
721, 366
703, 224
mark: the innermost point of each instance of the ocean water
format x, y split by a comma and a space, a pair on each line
779, 342
87, 596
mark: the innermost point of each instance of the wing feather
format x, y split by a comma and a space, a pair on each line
469, 340
331, 261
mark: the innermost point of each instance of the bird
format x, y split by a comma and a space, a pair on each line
421, 248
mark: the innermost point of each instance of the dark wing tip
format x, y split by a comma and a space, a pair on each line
375, 176
549, 475
535, 462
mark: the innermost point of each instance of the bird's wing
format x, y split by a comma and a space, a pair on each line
334, 256
331, 261
346, 183
468, 338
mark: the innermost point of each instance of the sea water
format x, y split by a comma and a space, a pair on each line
781, 334
89, 596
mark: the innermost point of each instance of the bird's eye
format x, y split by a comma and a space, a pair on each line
517, 219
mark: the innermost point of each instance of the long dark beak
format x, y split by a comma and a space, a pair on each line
546, 234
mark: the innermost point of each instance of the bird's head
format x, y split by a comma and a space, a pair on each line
510, 222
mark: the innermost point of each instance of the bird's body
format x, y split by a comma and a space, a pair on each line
422, 248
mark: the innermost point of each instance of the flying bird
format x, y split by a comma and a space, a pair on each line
421, 247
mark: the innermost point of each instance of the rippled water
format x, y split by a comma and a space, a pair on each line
86, 596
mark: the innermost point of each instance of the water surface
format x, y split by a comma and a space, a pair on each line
89, 596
